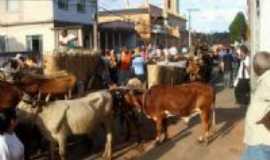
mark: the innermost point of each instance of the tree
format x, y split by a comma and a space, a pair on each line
238, 28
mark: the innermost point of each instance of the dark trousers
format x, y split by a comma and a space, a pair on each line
242, 92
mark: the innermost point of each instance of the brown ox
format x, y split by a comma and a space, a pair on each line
10, 95
47, 87
161, 101
181, 100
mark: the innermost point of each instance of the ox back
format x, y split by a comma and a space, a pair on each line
10, 95
179, 100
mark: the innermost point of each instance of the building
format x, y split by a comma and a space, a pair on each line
258, 11
117, 35
151, 23
259, 39
27, 25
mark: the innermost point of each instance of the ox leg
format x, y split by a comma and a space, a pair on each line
165, 127
70, 94
52, 149
48, 98
107, 155
158, 122
205, 117
61, 139
39, 96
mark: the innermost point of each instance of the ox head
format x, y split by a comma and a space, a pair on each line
28, 109
127, 98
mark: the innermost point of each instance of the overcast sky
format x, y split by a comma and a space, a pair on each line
213, 15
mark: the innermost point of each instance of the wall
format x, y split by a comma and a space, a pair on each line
28, 11
264, 25
71, 15
141, 20
17, 36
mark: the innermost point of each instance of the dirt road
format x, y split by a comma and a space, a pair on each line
227, 144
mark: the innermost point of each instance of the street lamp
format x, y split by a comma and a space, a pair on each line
189, 25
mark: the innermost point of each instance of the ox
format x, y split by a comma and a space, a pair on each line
10, 95
183, 101
180, 100
60, 119
47, 87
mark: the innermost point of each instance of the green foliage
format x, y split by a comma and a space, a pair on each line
238, 28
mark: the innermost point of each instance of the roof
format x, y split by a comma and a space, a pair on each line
123, 11
138, 11
117, 25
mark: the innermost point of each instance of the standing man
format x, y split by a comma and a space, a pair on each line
257, 133
124, 68
138, 67
227, 62
242, 82
67, 40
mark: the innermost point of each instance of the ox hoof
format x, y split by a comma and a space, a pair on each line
203, 142
158, 143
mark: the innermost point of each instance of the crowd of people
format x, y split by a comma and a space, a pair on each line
132, 63
229, 65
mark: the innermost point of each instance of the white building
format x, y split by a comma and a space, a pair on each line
258, 12
35, 25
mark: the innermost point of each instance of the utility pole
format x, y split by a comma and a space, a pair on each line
189, 25
127, 3
166, 25
254, 36
146, 3
95, 28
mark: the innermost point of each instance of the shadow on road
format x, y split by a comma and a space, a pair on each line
230, 117
158, 151
226, 119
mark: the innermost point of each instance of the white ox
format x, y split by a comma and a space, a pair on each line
60, 119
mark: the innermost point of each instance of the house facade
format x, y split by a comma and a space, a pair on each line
149, 24
27, 25
259, 24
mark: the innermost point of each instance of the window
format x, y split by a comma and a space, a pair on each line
12, 5
2, 44
34, 43
81, 5
169, 4
258, 7
63, 4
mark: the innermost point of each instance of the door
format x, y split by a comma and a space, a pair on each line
34, 43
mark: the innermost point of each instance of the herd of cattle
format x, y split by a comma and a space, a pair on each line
48, 104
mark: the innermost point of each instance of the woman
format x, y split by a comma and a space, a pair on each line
11, 147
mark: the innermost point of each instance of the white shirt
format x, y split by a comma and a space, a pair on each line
173, 51
246, 61
257, 134
4, 152
12, 147
66, 39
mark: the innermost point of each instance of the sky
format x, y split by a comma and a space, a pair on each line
212, 15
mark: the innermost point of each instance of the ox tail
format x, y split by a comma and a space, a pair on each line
214, 111
144, 101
